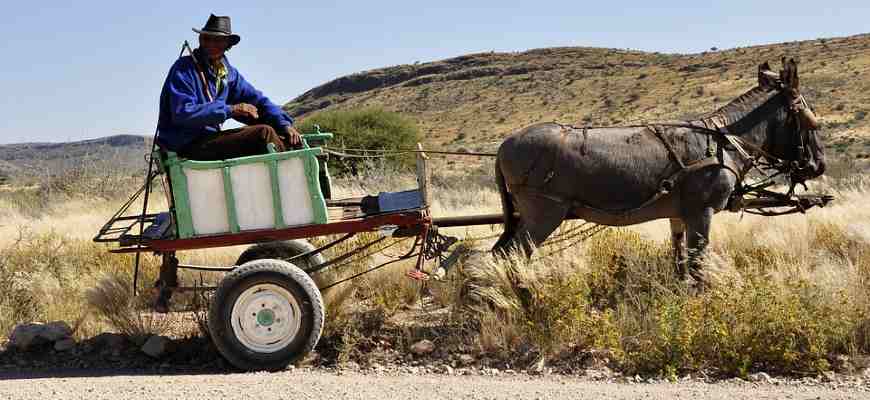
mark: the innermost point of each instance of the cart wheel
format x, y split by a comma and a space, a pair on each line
265, 315
282, 250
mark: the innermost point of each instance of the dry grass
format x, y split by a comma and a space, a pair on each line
112, 301
789, 294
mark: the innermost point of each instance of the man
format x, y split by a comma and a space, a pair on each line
204, 90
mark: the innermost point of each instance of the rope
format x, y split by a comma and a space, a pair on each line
355, 256
367, 271
383, 153
582, 236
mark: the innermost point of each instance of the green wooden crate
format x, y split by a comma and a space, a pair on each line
269, 191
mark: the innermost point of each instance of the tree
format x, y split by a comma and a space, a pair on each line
369, 129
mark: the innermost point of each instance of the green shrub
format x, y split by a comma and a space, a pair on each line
370, 129
619, 294
737, 329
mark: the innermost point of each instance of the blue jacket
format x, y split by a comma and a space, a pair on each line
186, 114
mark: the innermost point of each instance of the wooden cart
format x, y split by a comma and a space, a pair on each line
267, 311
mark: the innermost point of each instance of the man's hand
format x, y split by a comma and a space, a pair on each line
244, 110
293, 136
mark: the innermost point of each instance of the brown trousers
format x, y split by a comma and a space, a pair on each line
232, 143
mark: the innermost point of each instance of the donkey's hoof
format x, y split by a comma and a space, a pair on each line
698, 284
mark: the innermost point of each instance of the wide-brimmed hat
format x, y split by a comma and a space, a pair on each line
219, 26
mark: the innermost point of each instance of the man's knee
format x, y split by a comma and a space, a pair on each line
266, 133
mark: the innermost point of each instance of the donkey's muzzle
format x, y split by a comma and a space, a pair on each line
809, 118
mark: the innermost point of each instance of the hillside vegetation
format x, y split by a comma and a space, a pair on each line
121, 153
475, 100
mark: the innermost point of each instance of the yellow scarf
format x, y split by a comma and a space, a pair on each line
220, 71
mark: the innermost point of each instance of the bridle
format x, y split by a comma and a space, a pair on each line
798, 143
799, 114
797, 110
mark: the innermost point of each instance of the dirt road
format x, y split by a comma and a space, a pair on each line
320, 385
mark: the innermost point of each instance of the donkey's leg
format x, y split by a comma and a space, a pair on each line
678, 245
505, 241
539, 217
698, 232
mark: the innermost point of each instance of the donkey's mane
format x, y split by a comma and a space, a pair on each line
745, 111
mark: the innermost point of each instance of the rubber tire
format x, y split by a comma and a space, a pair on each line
278, 272
282, 250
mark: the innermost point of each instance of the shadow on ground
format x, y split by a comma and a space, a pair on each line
111, 355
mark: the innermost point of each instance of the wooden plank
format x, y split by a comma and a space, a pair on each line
423, 175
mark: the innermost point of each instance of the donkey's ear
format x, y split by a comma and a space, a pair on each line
793, 80
766, 77
784, 73
789, 74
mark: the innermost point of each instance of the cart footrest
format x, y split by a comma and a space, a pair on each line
162, 227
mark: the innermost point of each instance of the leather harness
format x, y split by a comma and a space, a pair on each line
714, 127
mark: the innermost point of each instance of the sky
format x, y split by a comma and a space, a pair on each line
88, 69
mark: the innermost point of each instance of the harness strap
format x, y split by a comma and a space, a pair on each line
735, 141
657, 130
665, 187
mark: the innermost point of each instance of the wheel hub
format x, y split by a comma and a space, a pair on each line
266, 318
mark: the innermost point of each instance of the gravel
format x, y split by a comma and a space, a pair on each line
324, 384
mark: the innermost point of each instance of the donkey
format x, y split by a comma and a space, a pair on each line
685, 171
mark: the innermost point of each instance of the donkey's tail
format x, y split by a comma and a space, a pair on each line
507, 207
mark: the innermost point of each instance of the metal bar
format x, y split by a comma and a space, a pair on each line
192, 288
131, 250
366, 272
352, 202
145, 217
321, 249
423, 174
111, 233
120, 212
206, 268
148, 179
424, 240
345, 256
469, 220
370, 223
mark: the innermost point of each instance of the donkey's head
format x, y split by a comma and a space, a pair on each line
795, 134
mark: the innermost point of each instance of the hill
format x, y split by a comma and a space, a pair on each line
475, 100
36, 158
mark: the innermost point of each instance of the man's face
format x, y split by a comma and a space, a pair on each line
214, 46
